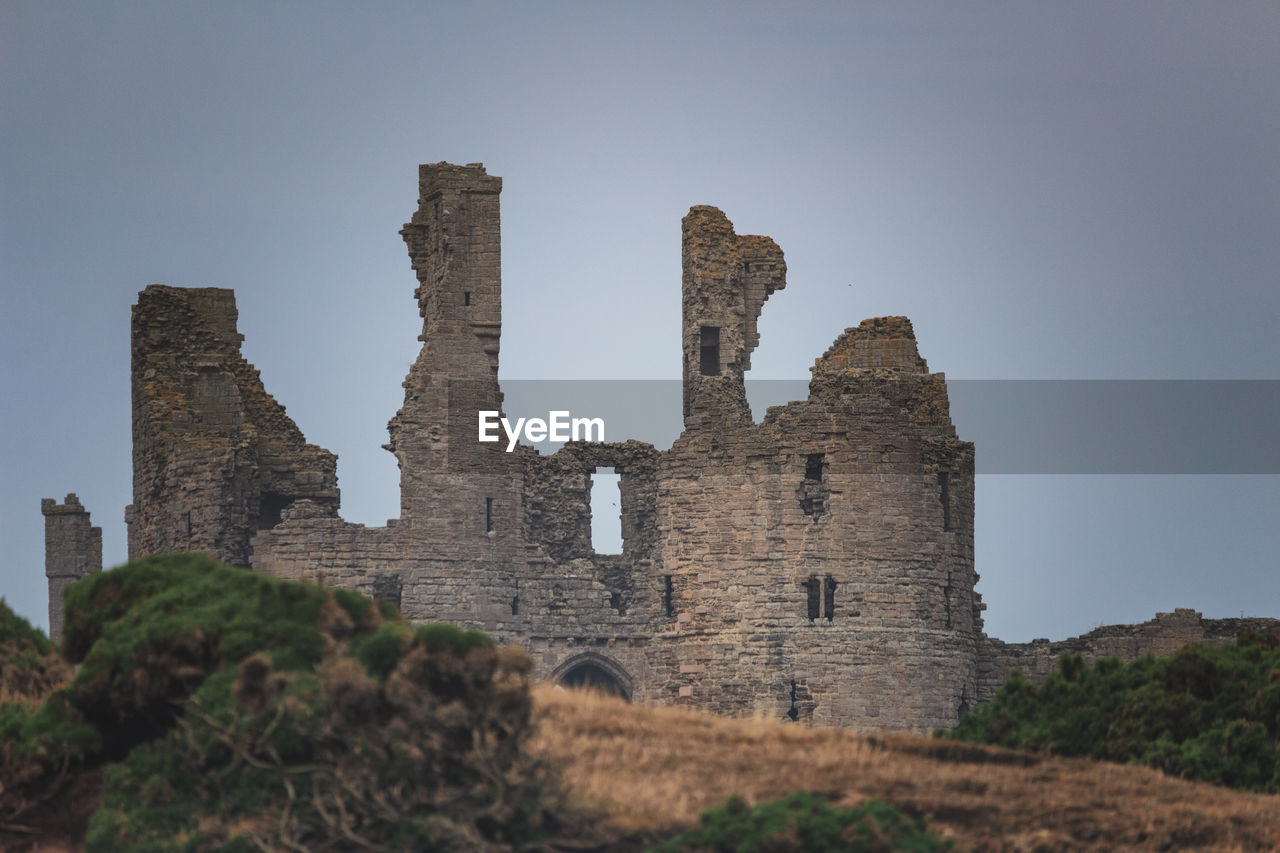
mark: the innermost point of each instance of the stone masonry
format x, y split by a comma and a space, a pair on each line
816, 566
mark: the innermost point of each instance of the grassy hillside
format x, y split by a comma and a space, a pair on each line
658, 768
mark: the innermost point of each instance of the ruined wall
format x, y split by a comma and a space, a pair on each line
1161, 637
492, 540
72, 549
215, 457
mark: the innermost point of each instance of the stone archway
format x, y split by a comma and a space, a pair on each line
594, 671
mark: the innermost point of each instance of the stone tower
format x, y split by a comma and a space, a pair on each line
820, 561
453, 487
72, 549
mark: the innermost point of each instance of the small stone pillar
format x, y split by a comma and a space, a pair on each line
72, 549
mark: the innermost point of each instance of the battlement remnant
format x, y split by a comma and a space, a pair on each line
215, 457
727, 279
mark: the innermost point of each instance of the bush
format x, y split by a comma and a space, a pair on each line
804, 824
39, 737
30, 666
1208, 712
240, 712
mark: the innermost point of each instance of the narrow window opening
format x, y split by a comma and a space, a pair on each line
814, 587
944, 486
488, 515
606, 511
466, 297
709, 350
793, 713
829, 598
668, 596
813, 466
515, 600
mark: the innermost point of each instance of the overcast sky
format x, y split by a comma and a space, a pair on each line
1049, 191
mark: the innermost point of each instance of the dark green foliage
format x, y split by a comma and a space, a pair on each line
802, 823
16, 632
1209, 713
40, 734
30, 666
443, 637
380, 651
240, 712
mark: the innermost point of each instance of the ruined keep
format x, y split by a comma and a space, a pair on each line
816, 566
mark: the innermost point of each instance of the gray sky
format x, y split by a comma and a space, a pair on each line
1048, 190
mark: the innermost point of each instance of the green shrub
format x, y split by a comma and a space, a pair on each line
1208, 712
804, 824
30, 666
235, 711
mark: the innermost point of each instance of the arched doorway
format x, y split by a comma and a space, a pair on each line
595, 672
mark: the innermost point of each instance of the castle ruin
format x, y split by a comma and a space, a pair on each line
816, 566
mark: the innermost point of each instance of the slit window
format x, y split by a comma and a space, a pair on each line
709, 350
944, 489
466, 297
814, 587
829, 598
668, 596
488, 515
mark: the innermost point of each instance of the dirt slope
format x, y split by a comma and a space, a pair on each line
659, 767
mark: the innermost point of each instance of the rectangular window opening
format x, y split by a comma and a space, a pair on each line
668, 596
829, 598
813, 466
606, 511
944, 485
488, 515
709, 350
466, 297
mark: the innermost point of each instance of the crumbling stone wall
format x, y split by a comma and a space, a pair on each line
72, 549
215, 457
727, 279
1161, 636
816, 566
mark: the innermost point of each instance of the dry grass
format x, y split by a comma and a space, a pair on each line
657, 768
